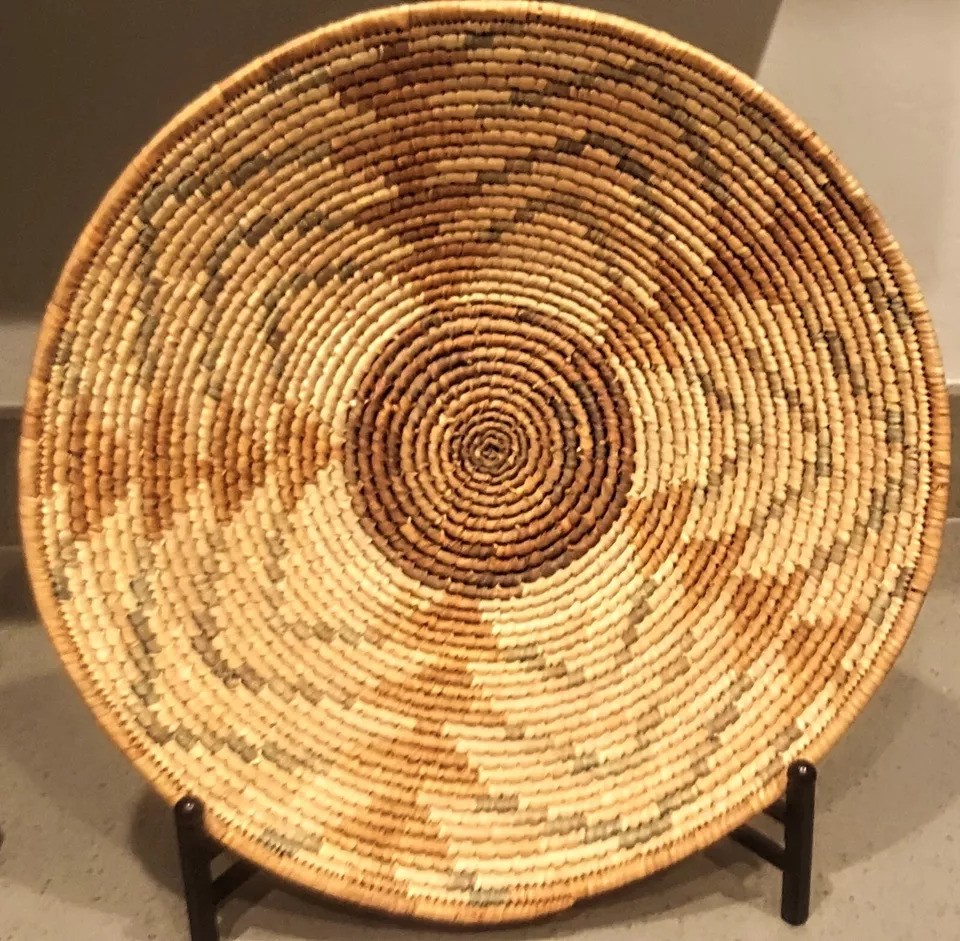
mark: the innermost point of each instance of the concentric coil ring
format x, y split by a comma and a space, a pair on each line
442, 418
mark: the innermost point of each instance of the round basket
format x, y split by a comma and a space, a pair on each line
475, 448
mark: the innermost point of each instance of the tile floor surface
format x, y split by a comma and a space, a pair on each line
88, 851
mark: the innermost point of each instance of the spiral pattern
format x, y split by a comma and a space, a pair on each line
489, 446
475, 449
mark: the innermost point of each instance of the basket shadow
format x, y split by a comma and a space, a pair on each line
16, 600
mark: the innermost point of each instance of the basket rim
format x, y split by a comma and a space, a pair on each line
206, 104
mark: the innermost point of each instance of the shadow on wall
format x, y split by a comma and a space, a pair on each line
9, 524
16, 598
86, 84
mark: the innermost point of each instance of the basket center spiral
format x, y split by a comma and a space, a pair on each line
488, 446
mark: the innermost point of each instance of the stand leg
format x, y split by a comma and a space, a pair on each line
195, 868
798, 842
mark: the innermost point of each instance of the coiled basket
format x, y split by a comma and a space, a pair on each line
475, 448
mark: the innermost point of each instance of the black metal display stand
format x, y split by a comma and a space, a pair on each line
204, 894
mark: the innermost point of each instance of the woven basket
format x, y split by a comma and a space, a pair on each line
475, 449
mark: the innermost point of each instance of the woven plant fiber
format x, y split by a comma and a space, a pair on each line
475, 448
